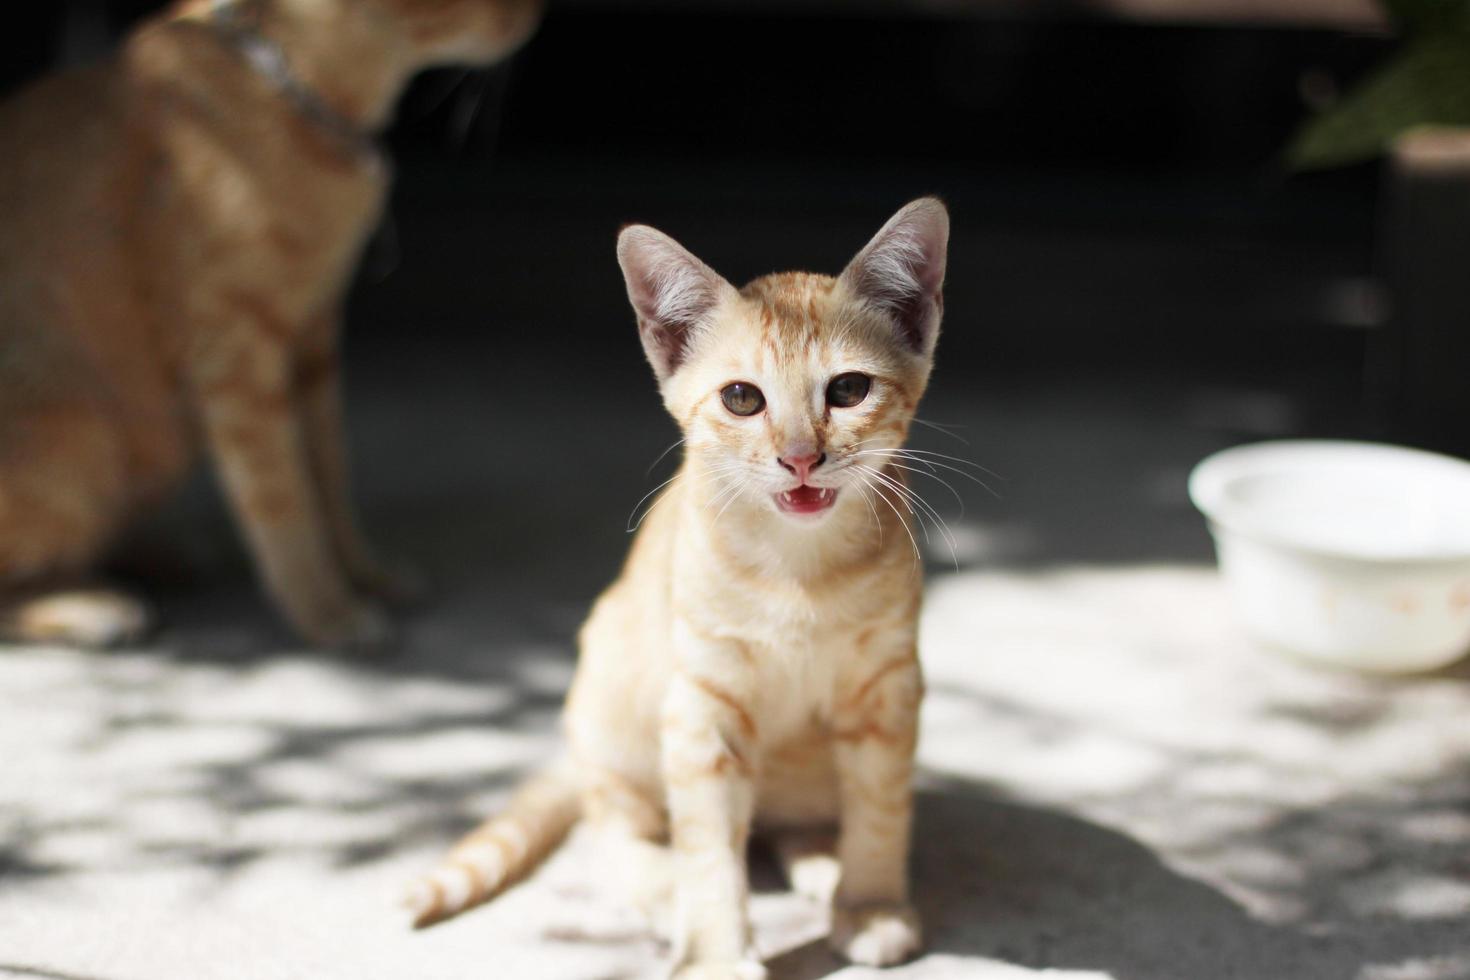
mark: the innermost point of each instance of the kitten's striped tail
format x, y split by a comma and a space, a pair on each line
502, 850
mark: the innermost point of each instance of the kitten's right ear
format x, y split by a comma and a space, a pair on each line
672, 293
901, 271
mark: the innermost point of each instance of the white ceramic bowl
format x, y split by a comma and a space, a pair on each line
1350, 553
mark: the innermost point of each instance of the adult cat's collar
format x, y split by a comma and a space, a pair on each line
265, 57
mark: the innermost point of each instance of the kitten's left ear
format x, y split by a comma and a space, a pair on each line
901, 271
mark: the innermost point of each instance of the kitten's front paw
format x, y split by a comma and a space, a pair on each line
875, 935
742, 970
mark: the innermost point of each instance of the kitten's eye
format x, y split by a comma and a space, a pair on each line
847, 390
742, 398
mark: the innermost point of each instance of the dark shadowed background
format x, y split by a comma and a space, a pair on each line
1128, 245
1119, 197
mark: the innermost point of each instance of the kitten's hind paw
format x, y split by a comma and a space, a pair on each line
741, 970
875, 935
807, 859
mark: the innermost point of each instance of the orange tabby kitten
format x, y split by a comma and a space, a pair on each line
177, 227
756, 659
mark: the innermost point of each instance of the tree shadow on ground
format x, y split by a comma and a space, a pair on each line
1035, 888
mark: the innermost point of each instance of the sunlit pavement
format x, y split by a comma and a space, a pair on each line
1116, 783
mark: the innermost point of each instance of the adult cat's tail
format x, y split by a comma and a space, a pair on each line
502, 850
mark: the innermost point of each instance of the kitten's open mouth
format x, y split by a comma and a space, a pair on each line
806, 500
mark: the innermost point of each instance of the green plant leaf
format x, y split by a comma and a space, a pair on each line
1427, 83
1437, 16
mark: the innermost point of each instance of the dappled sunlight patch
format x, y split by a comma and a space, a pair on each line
1263, 866
328, 694
465, 749
544, 670
290, 828
1420, 968
1129, 696
1083, 763
1410, 895
158, 823
1208, 822
322, 782
92, 844
154, 745
1240, 779
134, 760
1149, 662
944, 967
1448, 827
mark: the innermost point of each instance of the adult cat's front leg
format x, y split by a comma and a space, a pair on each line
709, 744
319, 388
243, 385
875, 728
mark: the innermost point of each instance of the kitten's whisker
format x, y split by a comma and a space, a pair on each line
731, 488
954, 459
941, 427
725, 481
933, 475
732, 499
721, 472
632, 526
943, 525
907, 454
659, 458
921, 462
642, 517
906, 498
927, 508
883, 479
455, 84
924, 506
907, 530
882, 452
930, 452
462, 121
924, 455
940, 524
714, 471
863, 486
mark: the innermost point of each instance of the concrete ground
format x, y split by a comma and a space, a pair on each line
1116, 782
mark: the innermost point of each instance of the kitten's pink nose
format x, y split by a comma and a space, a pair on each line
802, 464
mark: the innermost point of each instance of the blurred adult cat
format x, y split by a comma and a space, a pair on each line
179, 226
